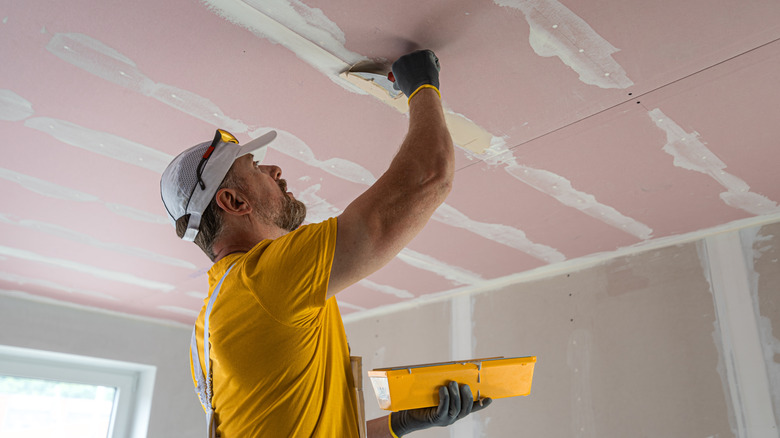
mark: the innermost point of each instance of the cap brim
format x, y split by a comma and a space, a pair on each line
257, 147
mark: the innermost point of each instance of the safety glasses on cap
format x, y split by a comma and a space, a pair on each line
221, 135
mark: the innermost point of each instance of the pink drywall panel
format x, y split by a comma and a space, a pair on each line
97, 98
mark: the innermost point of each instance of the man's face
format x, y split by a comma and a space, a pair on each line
270, 200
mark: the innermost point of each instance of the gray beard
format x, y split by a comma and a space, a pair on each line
292, 215
289, 215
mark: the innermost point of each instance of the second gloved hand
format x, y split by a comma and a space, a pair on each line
455, 402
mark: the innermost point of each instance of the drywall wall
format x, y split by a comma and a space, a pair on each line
762, 248
175, 409
639, 345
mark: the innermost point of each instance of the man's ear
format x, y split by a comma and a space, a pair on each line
232, 201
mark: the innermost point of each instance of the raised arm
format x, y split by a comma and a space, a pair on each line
377, 225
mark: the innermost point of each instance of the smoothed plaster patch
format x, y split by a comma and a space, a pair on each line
556, 31
691, 153
562, 189
102, 143
503, 234
305, 31
14, 107
385, 289
37, 282
65, 233
58, 191
455, 274
121, 277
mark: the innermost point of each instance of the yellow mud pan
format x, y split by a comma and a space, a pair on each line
416, 386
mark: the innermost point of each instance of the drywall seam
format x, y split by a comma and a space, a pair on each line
462, 348
180, 310
562, 190
503, 234
556, 31
344, 305
57, 191
455, 274
98, 59
102, 143
385, 289
735, 423
690, 152
753, 251
578, 358
319, 42
22, 281
279, 22
85, 239
20, 295
105, 274
572, 265
744, 358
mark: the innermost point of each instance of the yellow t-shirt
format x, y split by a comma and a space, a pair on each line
279, 354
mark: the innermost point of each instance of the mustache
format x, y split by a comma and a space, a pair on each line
282, 185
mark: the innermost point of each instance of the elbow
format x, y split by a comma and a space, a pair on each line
439, 183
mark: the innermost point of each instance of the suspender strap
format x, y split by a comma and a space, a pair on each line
204, 388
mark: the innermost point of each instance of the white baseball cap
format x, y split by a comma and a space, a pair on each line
190, 181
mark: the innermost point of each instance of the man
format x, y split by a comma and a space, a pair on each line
275, 349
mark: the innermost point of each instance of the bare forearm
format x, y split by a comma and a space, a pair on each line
378, 428
426, 152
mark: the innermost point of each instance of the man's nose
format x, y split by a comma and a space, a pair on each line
273, 170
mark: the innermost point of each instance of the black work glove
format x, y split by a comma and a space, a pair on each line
416, 69
455, 402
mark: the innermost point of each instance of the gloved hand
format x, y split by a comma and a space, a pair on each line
416, 69
455, 402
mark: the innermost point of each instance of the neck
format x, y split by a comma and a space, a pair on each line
234, 241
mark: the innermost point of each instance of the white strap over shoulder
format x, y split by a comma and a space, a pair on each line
204, 388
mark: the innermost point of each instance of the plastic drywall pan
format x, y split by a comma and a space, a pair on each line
416, 386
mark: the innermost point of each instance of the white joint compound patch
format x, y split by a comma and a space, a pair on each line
503, 234
303, 30
37, 282
561, 189
57, 191
180, 310
75, 236
102, 143
385, 289
453, 273
345, 305
14, 107
557, 31
105, 62
754, 248
578, 357
104, 274
741, 340
690, 152
46, 188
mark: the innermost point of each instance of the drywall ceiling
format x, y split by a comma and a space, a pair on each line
582, 128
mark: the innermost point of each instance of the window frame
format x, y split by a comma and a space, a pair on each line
134, 382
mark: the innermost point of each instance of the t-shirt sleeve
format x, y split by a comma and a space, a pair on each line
289, 277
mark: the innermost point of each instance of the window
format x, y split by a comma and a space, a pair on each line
45, 394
